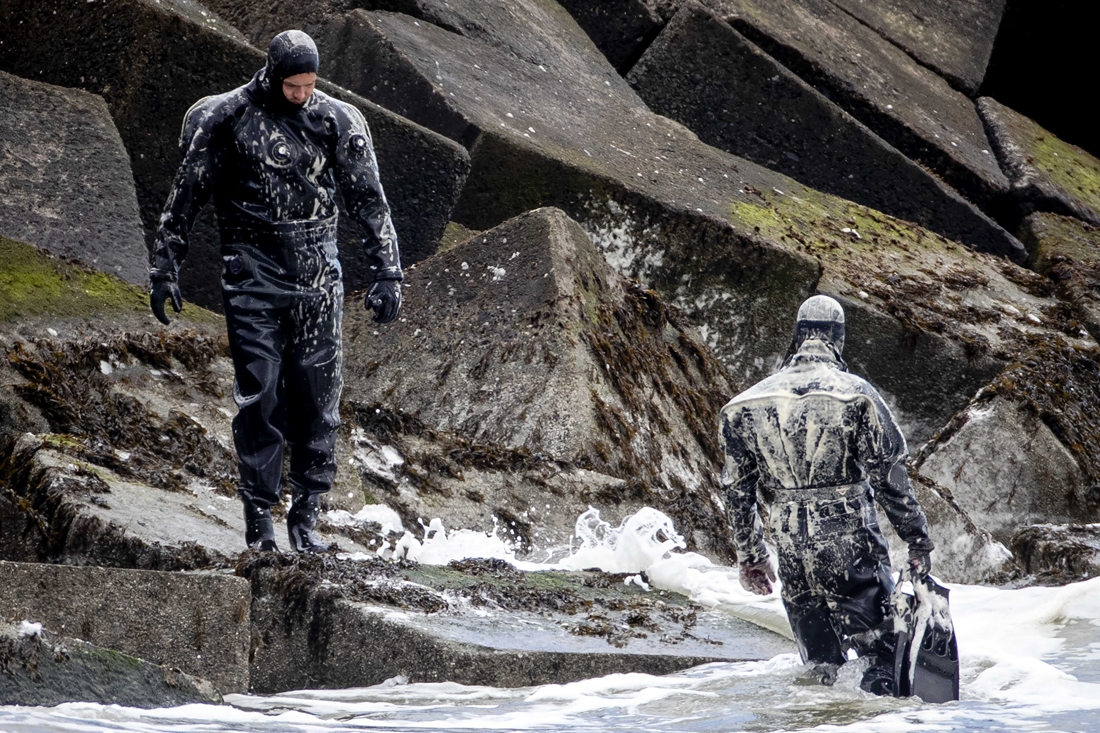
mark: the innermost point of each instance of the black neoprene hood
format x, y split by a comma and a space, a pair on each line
291, 52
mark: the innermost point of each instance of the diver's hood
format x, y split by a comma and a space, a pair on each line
290, 53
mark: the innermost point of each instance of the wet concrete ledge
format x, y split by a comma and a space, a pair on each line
195, 622
41, 668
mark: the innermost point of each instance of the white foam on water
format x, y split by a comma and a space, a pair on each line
1010, 642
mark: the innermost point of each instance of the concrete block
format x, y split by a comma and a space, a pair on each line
66, 184
195, 622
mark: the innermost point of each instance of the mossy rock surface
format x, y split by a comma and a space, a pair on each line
37, 285
1047, 174
708, 76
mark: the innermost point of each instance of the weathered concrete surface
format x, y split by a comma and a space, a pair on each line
965, 552
1064, 553
704, 74
65, 184
1047, 174
621, 29
953, 37
261, 21
1067, 250
45, 669
345, 623
525, 339
733, 244
1006, 467
911, 107
151, 61
195, 622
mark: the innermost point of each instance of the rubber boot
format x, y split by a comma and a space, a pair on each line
300, 522
259, 530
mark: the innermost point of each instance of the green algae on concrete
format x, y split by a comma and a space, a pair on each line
34, 283
1047, 174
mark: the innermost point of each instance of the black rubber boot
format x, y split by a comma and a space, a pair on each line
300, 522
259, 530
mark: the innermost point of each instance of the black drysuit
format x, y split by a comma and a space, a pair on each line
272, 168
817, 444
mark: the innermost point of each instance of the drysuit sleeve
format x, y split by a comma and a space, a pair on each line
190, 189
740, 476
883, 453
357, 175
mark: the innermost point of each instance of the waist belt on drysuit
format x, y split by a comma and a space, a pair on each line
278, 235
806, 515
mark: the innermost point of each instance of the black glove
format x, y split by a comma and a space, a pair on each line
920, 563
757, 578
165, 290
384, 298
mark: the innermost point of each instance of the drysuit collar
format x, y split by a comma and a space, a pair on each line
816, 350
290, 53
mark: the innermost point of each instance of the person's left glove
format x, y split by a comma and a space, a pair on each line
757, 578
384, 298
920, 562
165, 290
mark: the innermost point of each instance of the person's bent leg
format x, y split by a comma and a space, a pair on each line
256, 343
314, 380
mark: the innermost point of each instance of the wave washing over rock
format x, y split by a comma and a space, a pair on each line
608, 213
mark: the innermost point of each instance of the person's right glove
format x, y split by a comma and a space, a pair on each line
757, 578
920, 563
165, 290
384, 298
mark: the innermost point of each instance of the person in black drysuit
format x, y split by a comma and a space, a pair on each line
817, 445
272, 154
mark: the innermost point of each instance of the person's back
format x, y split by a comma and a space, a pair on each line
819, 446
811, 424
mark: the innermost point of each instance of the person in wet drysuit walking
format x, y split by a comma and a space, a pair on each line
271, 153
817, 446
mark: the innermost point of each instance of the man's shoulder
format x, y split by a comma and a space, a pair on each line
328, 104
822, 381
216, 107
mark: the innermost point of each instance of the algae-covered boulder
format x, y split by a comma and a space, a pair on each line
1059, 553
1025, 450
910, 106
203, 631
66, 184
43, 669
1067, 250
953, 37
152, 60
703, 73
1047, 174
524, 338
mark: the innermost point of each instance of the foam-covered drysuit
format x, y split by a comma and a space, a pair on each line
817, 446
272, 168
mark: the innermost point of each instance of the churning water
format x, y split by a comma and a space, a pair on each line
1030, 662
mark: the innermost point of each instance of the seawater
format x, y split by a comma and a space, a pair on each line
1030, 662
